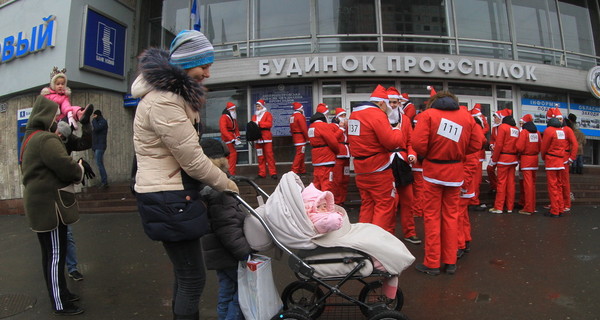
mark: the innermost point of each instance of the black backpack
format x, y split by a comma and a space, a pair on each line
252, 131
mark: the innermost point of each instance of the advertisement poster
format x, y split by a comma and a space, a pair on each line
279, 100
588, 118
538, 108
104, 44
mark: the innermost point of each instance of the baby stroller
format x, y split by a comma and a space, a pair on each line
323, 263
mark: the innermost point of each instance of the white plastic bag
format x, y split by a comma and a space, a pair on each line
257, 294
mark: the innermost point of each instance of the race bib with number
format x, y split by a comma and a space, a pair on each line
303, 149
311, 132
291, 120
259, 152
450, 130
354, 127
560, 135
346, 170
514, 132
533, 137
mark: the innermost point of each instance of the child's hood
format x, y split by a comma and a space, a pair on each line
312, 196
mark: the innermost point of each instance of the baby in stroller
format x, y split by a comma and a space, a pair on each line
320, 207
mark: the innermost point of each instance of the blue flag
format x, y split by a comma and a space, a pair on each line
195, 16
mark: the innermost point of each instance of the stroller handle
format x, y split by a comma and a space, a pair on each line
251, 182
301, 266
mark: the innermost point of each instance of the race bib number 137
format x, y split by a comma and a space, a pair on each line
450, 129
353, 127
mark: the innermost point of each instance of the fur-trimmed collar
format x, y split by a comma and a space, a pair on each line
161, 75
47, 90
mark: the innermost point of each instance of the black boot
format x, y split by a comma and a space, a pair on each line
87, 114
195, 316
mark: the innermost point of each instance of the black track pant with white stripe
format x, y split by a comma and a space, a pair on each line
54, 251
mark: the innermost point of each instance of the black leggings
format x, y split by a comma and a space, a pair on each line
188, 266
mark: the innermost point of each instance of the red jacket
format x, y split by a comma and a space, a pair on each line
571, 152
342, 138
407, 129
323, 139
554, 146
265, 124
410, 111
229, 128
444, 135
371, 138
298, 128
505, 149
528, 147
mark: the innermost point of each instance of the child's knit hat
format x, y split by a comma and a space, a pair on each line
55, 74
312, 196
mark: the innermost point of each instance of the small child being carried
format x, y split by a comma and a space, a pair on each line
60, 93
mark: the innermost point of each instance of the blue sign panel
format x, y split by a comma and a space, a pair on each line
279, 100
22, 118
130, 101
104, 44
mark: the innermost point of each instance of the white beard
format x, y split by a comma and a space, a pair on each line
393, 115
233, 114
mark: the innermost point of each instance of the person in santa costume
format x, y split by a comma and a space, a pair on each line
506, 160
323, 109
570, 156
491, 168
408, 108
528, 147
443, 136
230, 134
341, 169
323, 139
264, 145
299, 132
371, 137
396, 117
478, 175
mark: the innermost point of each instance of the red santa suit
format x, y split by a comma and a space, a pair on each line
443, 135
528, 147
230, 134
478, 175
371, 137
323, 139
553, 149
264, 146
341, 170
570, 155
408, 108
299, 132
505, 156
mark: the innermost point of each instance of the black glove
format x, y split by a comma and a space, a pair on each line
87, 169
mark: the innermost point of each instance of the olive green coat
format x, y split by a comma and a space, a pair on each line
46, 167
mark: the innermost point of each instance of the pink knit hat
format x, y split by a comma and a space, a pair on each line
312, 196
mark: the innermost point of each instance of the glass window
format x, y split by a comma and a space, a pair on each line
414, 17
332, 88
419, 88
536, 23
175, 17
345, 17
504, 92
544, 95
281, 18
482, 19
470, 89
577, 27
224, 21
365, 86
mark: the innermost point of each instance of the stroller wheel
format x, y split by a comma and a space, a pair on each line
302, 295
389, 314
372, 295
290, 315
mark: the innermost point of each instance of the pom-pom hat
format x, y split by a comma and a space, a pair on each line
297, 105
476, 111
553, 113
191, 49
55, 74
379, 94
393, 93
230, 106
339, 112
526, 118
262, 103
322, 108
431, 91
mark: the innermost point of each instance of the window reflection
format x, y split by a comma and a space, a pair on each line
281, 18
536, 23
224, 21
577, 28
482, 19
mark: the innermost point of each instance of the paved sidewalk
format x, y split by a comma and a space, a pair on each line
520, 267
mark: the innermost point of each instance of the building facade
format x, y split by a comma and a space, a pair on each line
527, 55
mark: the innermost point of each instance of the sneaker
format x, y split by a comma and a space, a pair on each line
547, 207
460, 253
274, 177
567, 209
525, 212
73, 297
69, 311
431, 271
87, 113
413, 240
76, 275
467, 246
451, 268
494, 210
509, 211
551, 215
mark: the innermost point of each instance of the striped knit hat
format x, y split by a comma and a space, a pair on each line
191, 49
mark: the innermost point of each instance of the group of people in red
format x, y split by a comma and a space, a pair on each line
421, 165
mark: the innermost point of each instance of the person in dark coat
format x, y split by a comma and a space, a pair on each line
99, 144
225, 244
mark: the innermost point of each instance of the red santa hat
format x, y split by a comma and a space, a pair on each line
553, 113
322, 108
230, 106
476, 111
339, 112
431, 91
262, 103
503, 113
297, 105
379, 94
393, 93
526, 118
404, 97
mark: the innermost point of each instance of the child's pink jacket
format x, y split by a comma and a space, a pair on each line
63, 102
323, 221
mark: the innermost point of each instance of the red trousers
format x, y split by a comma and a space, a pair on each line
341, 178
418, 193
440, 213
505, 187
477, 176
566, 184
555, 191
266, 158
405, 202
491, 171
379, 199
298, 164
323, 178
528, 190
464, 223
232, 158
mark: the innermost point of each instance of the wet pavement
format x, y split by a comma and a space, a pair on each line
520, 267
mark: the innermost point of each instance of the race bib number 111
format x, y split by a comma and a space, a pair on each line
450, 129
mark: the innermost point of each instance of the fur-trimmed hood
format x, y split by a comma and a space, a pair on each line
156, 73
47, 90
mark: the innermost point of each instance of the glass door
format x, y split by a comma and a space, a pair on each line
487, 108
